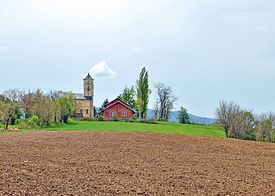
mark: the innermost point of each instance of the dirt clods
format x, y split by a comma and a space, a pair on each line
132, 163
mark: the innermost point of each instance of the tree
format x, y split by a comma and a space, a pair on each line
165, 101
225, 115
14, 95
54, 97
128, 96
264, 129
183, 116
27, 103
7, 111
103, 106
143, 92
242, 124
67, 106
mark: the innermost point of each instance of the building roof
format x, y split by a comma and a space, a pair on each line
88, 77
80, 96
116, 101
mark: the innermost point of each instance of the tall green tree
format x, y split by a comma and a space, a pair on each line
103, 106
183, 116
128, 96
67, 106
143, 92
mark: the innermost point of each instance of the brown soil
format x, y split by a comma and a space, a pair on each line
130, 163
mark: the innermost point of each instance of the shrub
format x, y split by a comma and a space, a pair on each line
115, 118
135, 117
150, 121
163, 119
100, 118
126, 120
33, 121
69, 121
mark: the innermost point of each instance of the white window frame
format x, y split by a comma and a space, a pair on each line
124, 114
112, 113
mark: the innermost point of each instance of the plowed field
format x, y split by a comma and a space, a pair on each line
131, 163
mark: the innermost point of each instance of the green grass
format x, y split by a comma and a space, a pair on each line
162, 127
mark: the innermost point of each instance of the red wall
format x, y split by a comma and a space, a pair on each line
118, 108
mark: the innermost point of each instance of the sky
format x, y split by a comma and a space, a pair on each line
205, 50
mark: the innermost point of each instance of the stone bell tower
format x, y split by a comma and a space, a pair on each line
89, 93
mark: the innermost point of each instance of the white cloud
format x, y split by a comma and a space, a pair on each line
102, 71
3, 48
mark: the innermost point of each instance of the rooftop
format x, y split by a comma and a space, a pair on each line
88, 77
80, 96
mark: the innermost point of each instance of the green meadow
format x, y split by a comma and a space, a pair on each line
161, 127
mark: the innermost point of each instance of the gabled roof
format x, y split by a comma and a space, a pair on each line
116, 101
88, 77
80, 96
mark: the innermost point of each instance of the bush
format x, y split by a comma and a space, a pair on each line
126, 120
115, 118
69, 121
135, 117
86, 119
150, 121
33, 121
163, 119
100, 118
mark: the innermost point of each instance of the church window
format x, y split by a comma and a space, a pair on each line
81, 111
112, 113
87, 111
124, 114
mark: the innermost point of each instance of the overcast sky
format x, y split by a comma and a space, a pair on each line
206, 50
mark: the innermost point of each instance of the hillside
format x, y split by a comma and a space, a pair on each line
161, 127
193, 118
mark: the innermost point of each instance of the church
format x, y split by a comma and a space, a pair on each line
85, 104
85, 101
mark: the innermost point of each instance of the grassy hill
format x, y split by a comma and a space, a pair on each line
161, 127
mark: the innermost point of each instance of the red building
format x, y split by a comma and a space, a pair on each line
118, 108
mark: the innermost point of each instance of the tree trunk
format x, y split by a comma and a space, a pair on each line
226, 132
7, 124
141, 115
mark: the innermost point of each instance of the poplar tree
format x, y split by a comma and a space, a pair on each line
143, 92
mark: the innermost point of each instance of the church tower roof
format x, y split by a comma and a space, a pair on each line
88, 77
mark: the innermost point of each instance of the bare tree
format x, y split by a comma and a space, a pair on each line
165, 101
226, 113
27, 103
242, 124
14, 95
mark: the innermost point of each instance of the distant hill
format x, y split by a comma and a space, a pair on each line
193, 118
